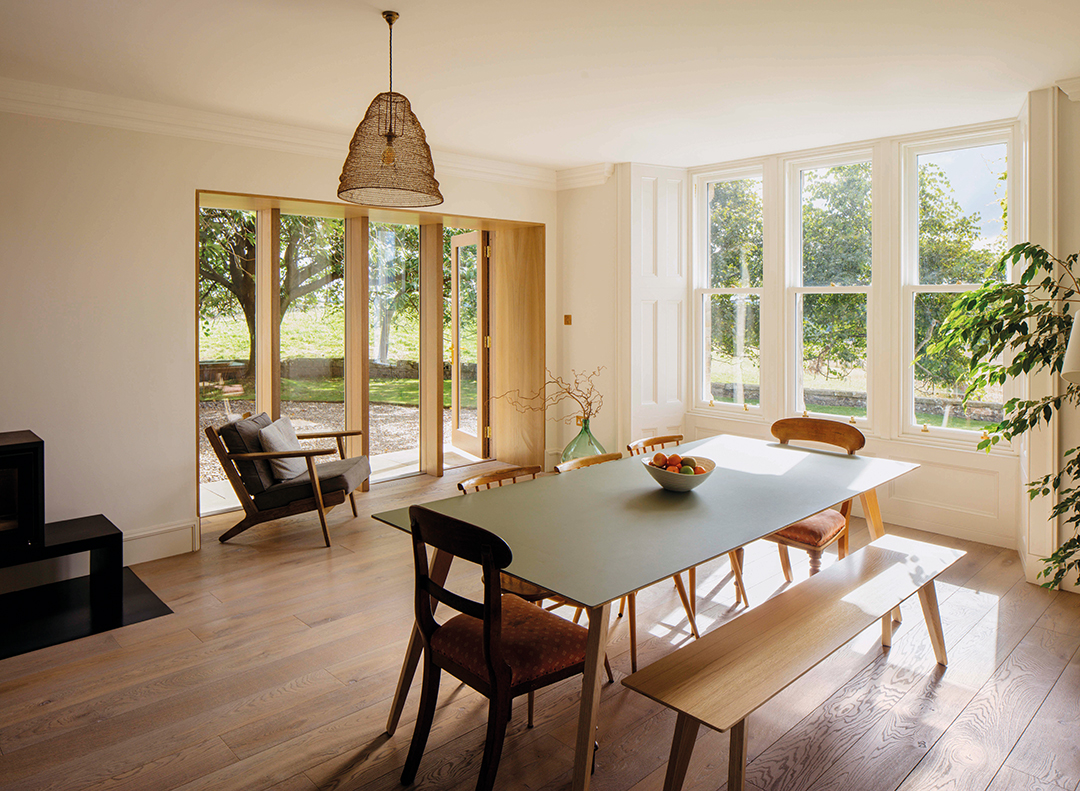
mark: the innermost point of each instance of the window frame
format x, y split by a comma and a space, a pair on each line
910, 287
767, 394
794, 288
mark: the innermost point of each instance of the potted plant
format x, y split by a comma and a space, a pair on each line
1013, 329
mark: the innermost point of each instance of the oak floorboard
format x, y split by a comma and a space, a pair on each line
1009, 779
1049, 749
977, 743
887, 752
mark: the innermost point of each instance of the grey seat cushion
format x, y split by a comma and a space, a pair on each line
243, 437
341, 475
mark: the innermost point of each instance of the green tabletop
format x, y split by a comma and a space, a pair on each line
596, 534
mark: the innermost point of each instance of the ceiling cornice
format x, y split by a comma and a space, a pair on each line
585, 176
86, 107
1071, 87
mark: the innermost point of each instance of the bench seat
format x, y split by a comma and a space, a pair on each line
721, 678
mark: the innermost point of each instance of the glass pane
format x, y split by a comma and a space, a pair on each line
836, 215
455, 457
467, 337
962, 214
735, 233
312, 329
834, 353
394, 338
733, 365
226, 337
941, 379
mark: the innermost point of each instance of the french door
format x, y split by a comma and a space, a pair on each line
470, 341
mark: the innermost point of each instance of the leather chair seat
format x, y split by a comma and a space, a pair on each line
818, 530
525, 627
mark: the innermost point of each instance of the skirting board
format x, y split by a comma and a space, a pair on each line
161, 541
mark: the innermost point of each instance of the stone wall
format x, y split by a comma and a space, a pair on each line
975, 410
322, 368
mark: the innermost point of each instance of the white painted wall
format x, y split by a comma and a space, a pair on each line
97, 306
586, 291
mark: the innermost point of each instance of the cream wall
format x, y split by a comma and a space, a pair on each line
586, 290
97, 314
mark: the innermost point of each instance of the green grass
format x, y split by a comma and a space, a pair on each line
405, 392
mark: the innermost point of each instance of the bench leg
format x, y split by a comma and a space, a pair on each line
686, 729
928, 600
736, 771
886, 630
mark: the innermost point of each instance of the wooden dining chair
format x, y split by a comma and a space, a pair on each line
502, 647
526, 590
815, 533
495, 479
631, 598
649, 445
587, 461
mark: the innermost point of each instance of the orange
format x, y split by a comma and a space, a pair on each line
672, 468
659, 460
674, 460
699, 470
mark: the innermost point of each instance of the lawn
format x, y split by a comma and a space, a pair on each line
405, 392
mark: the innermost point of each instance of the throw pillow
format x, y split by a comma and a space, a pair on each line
279, 436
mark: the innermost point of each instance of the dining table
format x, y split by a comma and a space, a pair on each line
597, 534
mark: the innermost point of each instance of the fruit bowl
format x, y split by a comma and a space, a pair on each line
677, 481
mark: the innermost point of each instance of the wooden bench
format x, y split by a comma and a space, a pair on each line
721, 678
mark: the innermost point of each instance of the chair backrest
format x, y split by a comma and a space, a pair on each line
588, 461
812, 429
642, 446
242, 436
497, 478
466, 542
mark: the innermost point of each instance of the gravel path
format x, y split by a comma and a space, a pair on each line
393, 427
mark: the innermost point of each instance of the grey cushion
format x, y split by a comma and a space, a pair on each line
243, 437
278, 436
341, 475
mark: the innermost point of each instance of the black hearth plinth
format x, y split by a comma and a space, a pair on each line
109, 597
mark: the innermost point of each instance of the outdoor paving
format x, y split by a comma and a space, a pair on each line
392, 427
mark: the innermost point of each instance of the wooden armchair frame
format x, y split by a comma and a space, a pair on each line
317, 502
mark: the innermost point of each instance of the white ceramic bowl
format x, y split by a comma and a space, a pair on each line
676, 481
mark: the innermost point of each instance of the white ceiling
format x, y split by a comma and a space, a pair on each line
564, 83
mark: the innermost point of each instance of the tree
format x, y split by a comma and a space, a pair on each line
312, 258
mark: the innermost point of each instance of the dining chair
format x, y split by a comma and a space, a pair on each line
526, 590
631, 598
815, 533
647, 445
502, 647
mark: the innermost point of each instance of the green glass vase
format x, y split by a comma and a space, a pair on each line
584, 444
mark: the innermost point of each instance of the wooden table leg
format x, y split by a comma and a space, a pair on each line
440, 566
682, 746
590, 695
872, 512
928, 600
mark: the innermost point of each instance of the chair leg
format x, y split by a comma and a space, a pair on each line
815, 561
740, 586
785, 562
317, 489
352, 499
429, 696
632, 600
622, 605
842, 545
532, 701
498, 717
607, 668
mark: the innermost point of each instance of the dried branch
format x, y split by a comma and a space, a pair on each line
581, 390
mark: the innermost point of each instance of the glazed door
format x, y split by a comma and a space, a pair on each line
470, 341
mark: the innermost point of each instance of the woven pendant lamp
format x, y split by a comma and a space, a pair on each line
389, 162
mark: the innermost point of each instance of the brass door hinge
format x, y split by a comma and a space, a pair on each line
487, 341
487, 432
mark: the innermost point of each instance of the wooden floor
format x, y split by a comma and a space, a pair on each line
275, 672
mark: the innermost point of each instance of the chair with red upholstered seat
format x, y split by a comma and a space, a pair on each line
815, 533
502, 647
